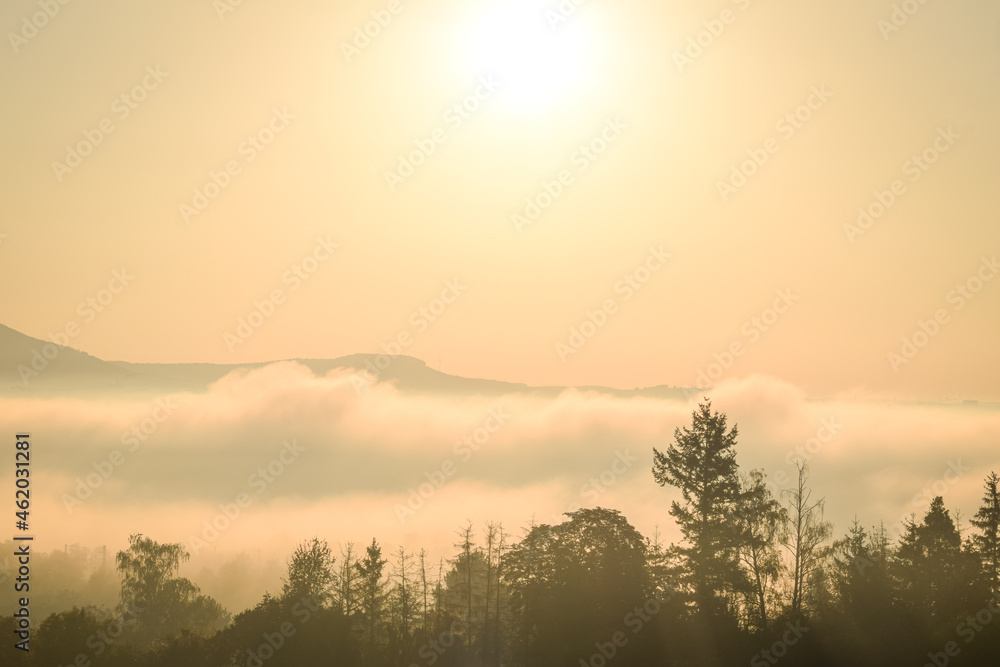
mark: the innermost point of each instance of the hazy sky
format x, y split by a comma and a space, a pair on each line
308, 129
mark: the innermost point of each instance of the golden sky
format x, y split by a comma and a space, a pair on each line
623, 122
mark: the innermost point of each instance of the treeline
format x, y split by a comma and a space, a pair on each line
756, 579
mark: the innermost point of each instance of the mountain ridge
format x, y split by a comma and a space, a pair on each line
31, 366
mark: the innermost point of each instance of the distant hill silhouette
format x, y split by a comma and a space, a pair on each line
74, 372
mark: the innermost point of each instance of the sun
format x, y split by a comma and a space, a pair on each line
539, 55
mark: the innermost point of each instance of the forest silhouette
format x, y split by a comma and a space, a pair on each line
757, 578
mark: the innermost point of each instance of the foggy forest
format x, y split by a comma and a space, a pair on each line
758, 578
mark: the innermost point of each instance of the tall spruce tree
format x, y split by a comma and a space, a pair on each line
373, 595
701, 462
859, 571
987, 542
936, 576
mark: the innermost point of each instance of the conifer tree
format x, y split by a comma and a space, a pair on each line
987, 542
701, 462
372, 586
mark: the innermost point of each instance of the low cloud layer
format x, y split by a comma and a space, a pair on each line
269, 457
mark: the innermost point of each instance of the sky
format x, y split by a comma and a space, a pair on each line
310, 123
793, 203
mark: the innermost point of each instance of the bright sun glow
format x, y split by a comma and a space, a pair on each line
537, 59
